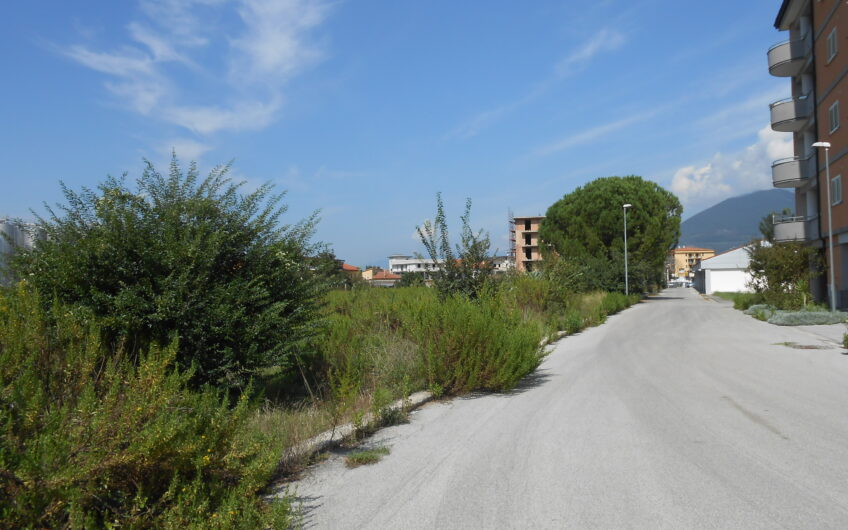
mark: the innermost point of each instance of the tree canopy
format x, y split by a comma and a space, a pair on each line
586, 228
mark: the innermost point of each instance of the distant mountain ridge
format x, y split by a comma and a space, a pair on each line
733, 222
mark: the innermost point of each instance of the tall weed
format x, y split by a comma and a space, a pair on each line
91, 438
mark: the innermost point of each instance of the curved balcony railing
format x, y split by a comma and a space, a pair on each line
789, 228
791, 114
786, 59
792, 172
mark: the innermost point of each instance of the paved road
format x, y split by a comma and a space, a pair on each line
678, 413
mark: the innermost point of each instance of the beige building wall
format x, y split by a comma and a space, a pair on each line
685, 259
527, 255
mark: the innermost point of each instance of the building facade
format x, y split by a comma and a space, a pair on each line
725, 272
814, 59
14, 235
403, 264
525, 242
684, 259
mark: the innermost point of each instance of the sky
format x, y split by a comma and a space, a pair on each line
365, 110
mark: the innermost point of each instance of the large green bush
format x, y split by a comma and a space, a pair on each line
182, 257
91, 437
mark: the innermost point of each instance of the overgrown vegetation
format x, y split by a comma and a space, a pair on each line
465, 271
94, 437
182, 257
152, 321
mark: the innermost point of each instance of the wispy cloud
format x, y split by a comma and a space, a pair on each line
593, 133
604, 40
147, 73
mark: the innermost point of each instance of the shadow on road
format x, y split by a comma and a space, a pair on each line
663, 298
534, 380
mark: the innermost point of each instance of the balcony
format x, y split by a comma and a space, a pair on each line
791, 114
792, 172
788, 229
786, 59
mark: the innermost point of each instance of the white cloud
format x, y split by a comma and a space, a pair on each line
245, 115
604, 40
145, 74
275, 45
726, 176
186, 148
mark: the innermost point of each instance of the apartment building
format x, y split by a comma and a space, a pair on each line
402, 264
684, 259
814, 59
525, 241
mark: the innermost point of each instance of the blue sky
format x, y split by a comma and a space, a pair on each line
366, 109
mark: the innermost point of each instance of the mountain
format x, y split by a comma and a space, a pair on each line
733, 222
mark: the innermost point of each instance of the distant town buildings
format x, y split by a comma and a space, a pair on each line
815, 60
682, 261
524, 239
13, 235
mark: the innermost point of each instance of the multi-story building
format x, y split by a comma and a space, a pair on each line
815, 60
684, 259
526, 241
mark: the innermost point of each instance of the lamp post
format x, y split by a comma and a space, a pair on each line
826, 146
626, 277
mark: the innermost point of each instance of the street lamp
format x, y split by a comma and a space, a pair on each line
826, 146
626, 278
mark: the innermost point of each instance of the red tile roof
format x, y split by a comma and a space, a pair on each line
385, 275
693, 249
346, 267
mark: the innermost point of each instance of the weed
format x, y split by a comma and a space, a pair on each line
365, 457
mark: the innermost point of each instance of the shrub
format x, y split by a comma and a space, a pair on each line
96, 438
185, 257
807, 318
741, 301
466, 271
474, 346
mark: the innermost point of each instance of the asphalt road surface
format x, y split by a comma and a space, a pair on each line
677, 413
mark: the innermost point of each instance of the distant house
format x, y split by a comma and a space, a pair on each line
726, 272
381, 278
351, 271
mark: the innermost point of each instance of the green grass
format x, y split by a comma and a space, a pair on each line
366, 457
741, 301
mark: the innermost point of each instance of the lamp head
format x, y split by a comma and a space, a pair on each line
628, 205
822, 144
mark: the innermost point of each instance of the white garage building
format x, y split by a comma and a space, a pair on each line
727, 272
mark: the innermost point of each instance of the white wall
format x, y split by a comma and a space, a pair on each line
732, 280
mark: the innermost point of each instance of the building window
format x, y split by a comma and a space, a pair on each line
831, 45
526, 239
833, 113
527, 253
527, 224
836, 190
